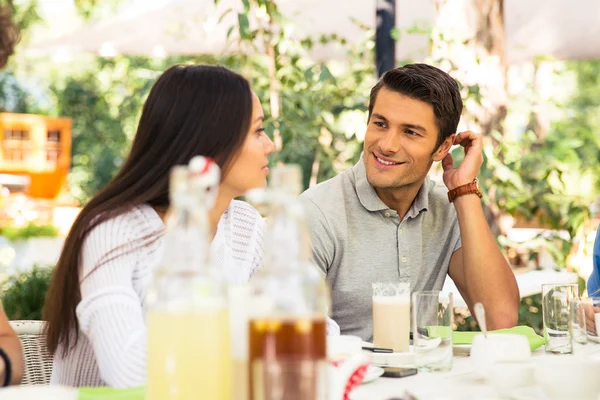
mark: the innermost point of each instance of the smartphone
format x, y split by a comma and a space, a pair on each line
395, 372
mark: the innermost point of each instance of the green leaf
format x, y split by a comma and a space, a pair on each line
229, 31
244, 25
246, 5
396, 34
325, 73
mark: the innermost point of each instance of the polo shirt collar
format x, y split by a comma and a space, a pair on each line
421, 202
370, 200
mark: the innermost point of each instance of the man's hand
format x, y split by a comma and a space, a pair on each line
590, 319
467, 171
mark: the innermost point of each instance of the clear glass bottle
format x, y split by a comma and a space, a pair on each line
188, 328
287, 328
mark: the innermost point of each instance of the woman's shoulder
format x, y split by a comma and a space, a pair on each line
133, 223
242, 212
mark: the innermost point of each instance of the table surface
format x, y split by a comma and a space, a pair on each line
459, 383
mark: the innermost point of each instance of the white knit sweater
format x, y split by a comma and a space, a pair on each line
111, 349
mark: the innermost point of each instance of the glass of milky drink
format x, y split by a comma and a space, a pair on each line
391, 315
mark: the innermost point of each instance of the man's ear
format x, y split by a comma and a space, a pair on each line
444, 148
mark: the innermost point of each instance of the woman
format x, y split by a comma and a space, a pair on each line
95, 304
11, 358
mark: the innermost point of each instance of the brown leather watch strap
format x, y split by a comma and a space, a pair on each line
471, 187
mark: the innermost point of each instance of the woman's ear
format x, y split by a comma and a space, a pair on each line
444, 148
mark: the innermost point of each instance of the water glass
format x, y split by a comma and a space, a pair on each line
590, 311
579, 321
432, 315
558, 310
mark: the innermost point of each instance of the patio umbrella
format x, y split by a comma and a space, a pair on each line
565, 30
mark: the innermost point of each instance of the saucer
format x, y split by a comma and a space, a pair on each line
398, 359
461, 349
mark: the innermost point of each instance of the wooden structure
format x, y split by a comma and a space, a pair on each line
37, 147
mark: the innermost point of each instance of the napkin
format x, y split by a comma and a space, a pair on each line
346, 375
106, 393
535, 340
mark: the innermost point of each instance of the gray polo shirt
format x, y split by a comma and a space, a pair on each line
358, 240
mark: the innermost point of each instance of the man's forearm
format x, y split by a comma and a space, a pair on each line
487, 276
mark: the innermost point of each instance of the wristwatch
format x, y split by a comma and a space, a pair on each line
469, 188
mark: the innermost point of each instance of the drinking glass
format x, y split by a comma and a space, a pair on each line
558, 310
391, 315
432, 315
579, 320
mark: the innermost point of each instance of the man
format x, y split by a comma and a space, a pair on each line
11, 358
384, 220
593, 285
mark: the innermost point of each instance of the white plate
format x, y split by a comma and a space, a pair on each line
594, 338
372, 374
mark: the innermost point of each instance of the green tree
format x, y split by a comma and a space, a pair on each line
317, 110
104, 105
24, 14
14, 97
577, 134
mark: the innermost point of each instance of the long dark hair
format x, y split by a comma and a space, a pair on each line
191, 110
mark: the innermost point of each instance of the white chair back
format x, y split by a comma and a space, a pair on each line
38, 362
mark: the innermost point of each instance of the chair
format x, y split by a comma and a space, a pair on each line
38, 362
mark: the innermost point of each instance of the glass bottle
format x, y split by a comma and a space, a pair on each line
188, 327
287, 328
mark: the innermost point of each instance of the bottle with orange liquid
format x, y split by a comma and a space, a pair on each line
289, 298
189, 353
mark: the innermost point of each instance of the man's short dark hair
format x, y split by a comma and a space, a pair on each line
429, 84
9, 35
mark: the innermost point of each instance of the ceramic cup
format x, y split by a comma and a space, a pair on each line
498, 347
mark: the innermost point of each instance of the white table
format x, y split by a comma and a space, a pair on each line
456, 384
529, 283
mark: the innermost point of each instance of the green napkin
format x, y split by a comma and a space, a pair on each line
106, 393
535, 340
